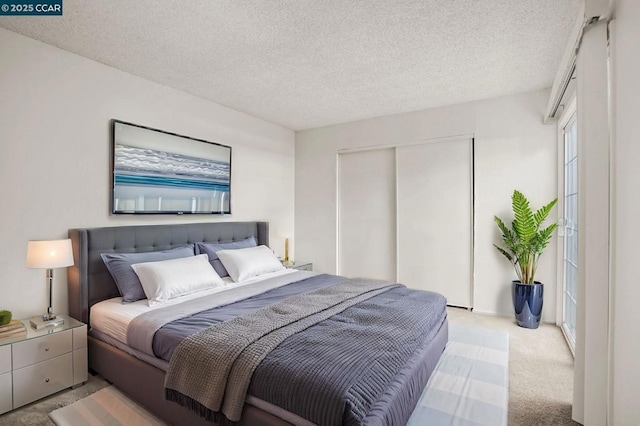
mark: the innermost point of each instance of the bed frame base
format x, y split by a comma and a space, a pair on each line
144, 384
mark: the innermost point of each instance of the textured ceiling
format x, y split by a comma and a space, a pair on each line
311, 63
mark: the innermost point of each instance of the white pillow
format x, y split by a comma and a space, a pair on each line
167, 279
249, 262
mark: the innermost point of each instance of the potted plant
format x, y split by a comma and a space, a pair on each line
524, 242
5, 317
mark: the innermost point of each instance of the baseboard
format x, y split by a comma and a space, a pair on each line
495, 314
490, 313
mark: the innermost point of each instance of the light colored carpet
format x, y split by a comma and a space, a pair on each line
540, 370
37, 414
108, 406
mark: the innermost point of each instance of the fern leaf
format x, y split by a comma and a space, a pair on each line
541, 214
505, 253
524, 222
501, 225
544, 236
508, 236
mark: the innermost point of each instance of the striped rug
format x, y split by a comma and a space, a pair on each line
470, 385
108, 406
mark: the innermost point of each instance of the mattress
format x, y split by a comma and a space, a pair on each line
111, 317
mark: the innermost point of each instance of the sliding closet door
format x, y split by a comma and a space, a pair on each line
435, 218
366, 214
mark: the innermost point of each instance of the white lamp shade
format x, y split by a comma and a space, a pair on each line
49, 254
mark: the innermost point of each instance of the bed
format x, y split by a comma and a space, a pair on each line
143, 377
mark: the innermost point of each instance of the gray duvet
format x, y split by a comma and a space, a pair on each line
361, 365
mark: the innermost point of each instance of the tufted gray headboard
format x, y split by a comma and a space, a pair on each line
89, 280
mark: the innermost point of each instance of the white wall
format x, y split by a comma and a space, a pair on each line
55, 111
513, 150
625, 213
592, 317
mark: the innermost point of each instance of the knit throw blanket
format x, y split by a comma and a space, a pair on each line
210, 371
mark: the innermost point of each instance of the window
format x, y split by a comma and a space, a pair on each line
569, 224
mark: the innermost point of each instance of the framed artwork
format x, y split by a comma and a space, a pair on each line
157, 172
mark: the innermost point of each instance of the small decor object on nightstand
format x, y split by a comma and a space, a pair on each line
299, 265
8, 327
286, 251
48, 255
5, 317
12, 329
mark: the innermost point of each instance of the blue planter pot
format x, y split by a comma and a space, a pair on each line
527, 303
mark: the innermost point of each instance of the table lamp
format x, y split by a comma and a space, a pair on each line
48, 255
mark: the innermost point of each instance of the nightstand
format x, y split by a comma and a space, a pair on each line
299, 265
41, 362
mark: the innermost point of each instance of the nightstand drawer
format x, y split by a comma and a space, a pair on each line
42, 379
42, 348
80, 337
6, 401
80, 366
5, 359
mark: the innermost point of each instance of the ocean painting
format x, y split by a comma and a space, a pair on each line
152, 179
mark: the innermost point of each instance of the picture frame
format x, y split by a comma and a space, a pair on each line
158, 172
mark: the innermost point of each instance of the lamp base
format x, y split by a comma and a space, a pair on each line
41, 321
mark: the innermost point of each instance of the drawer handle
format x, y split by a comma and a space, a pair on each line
46, 349
46, 380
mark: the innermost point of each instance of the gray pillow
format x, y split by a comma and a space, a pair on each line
119, 266
212, 248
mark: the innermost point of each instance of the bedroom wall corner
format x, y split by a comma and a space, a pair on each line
513, 150
55, 156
